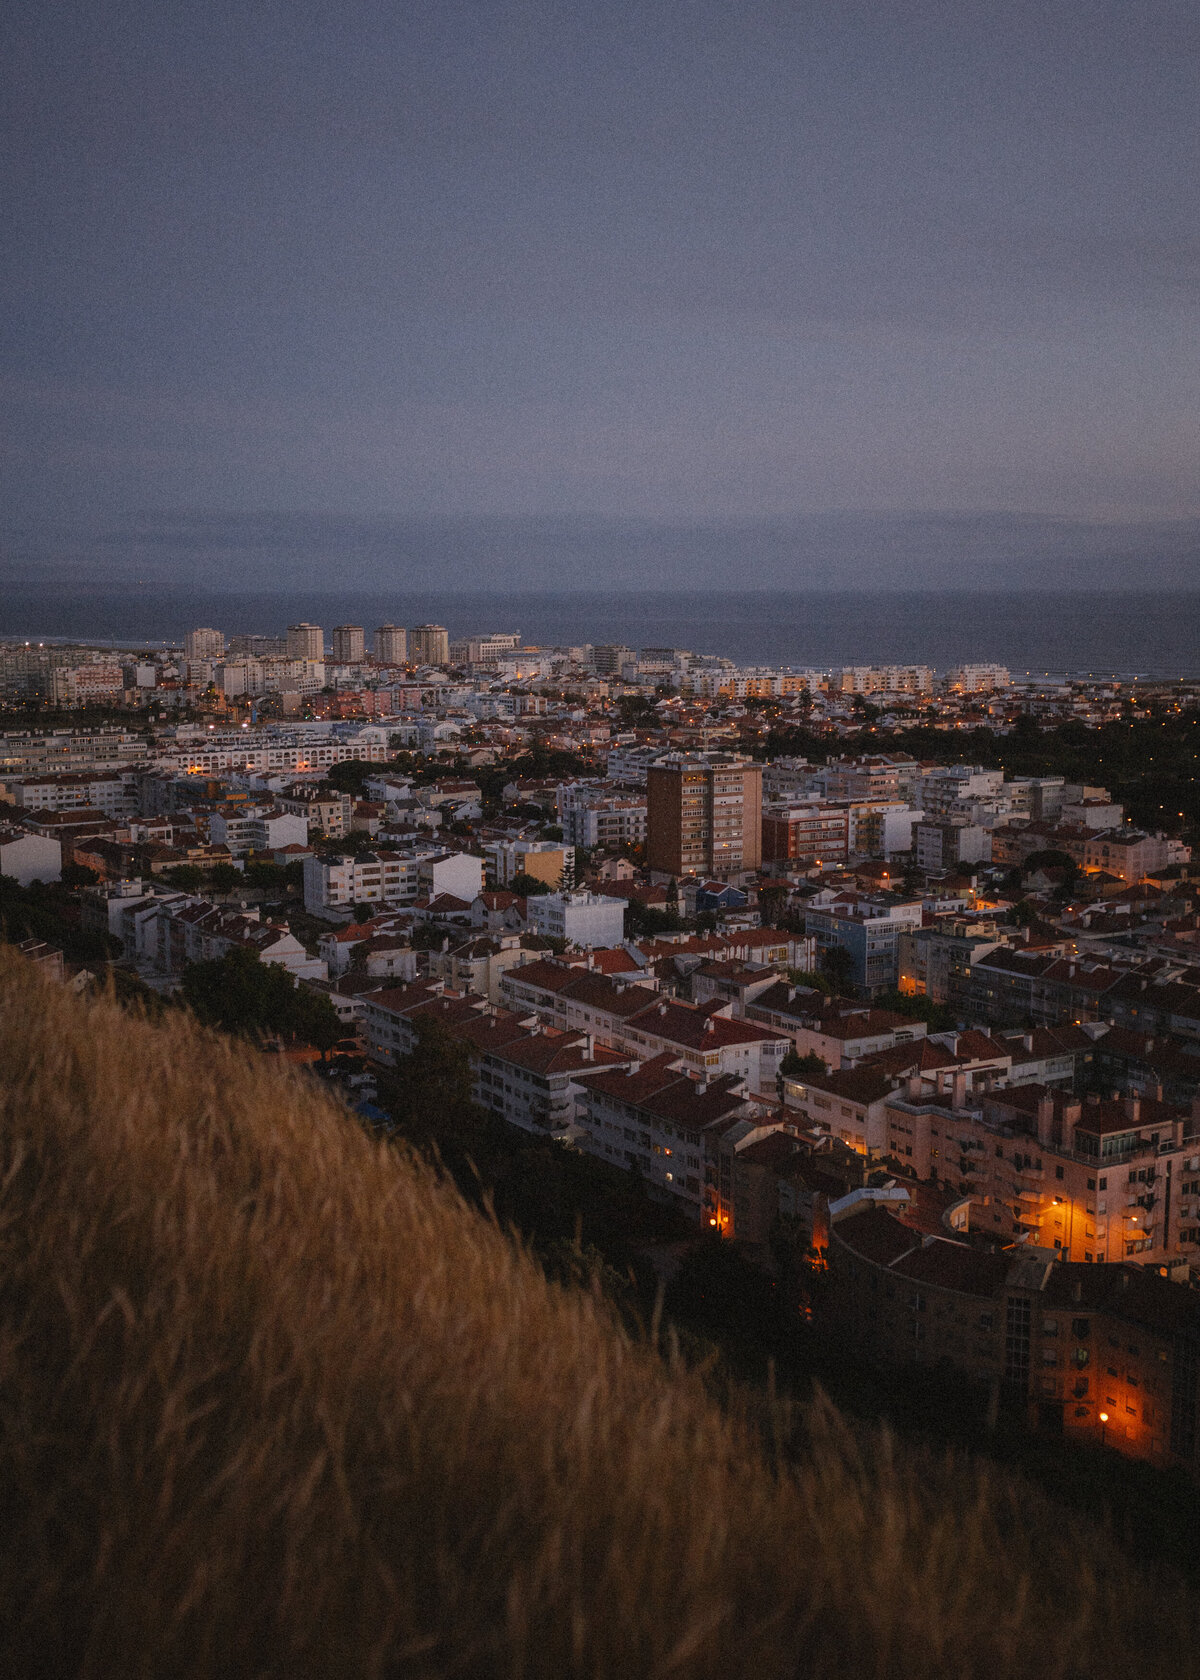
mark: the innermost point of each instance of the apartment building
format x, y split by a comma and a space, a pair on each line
977, 679
588, 920
653, 1119
306, 641
485, 650
113, 792
430, 645
837, 1030
703, 815
882, 679
815, 832
1095, 1180
348, 644
944, 844
341, 881
323, 811
96, 684
1106, 1354
1131, 855
591, 817
525, 1073
936, 962
869, 930
391, 645
256, 828
203, 644
705, 1039
542, 860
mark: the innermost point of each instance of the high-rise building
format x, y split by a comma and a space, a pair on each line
431, 645
305, 641
609, 658
391, 645
258, 647
204, 644
349, 644
704, 815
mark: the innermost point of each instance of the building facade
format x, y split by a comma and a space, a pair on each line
703, 815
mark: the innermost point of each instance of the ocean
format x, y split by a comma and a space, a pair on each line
1125, 634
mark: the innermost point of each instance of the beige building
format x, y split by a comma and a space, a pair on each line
430, 645
391, 645
349, 644
306, 641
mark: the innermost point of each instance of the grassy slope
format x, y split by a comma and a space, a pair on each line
274, 1402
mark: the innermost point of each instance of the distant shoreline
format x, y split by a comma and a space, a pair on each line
1106, 633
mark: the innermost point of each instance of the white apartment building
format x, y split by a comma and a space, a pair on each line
390, 877
947, 843
591, 817
112, 792
257, 829
977, 679
267, 750
586, 919
945, 788
203, 644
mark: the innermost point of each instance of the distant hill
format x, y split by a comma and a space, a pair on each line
274, 1402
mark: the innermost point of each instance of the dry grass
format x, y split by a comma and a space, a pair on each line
274, 1402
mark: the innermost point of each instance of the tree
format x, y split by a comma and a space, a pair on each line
188, 877
527, 886
225, 878
76, 875
838, 967
241, 994
430, 1093
315, 1020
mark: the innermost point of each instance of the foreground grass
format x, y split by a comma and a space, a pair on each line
273, 1401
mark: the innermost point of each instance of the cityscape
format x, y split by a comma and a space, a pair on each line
599, 841
935, 1021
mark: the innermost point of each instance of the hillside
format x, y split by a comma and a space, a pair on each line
273, 1401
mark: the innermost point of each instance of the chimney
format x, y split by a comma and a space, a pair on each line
1027, 1041
1133, 1107
1072, 1108
1045, 1119
912, 1087
958, 1089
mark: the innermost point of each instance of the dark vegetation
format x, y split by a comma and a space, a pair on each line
1148, 764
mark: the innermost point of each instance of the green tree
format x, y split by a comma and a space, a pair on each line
315, 1020
188, 877
241, 994
528, 886
430, 1093
838, 966
76, 875
225, 878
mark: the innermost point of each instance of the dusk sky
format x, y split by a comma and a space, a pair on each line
298, 279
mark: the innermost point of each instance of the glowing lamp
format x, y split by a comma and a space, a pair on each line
1103, 1417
